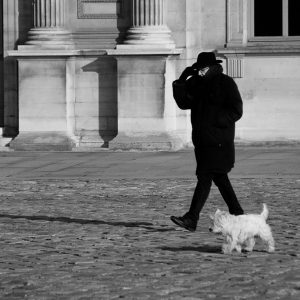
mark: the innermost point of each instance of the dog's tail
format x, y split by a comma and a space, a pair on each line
265, 212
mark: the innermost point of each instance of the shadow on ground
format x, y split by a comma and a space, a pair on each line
145, 225
204, 248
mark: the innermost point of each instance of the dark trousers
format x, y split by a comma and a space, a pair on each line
202, 190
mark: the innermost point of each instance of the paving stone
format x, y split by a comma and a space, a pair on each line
112, 239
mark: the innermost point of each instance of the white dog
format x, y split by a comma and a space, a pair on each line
240, 231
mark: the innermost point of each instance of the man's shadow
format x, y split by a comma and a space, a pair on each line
137, 224
107, 94
145, 225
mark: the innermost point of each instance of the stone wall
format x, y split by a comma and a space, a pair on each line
96, 107
11, 35
104, 81
271, 93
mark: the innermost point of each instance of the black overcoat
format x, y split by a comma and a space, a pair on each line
215, 104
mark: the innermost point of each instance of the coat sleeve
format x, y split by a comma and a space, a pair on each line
181, 95
233, 109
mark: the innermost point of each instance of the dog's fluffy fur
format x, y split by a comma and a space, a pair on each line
241, 231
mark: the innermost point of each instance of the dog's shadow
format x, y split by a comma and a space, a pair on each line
202, 249
209, 249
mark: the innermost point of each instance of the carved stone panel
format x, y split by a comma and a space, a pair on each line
235, 66
100, 9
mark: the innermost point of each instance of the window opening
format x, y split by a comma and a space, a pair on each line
293, 16
276, 18
268, 17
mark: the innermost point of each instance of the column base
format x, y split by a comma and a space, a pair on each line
150, 142
4, 142
48, 38
149, 36
42, 141
91, 141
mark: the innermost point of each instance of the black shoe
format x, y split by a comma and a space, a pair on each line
185, 222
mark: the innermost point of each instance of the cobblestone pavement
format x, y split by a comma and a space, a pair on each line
112, 239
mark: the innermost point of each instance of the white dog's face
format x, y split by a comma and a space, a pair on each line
218, 220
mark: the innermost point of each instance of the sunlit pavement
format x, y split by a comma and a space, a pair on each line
96, 226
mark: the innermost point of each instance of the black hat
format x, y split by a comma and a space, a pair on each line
206, 59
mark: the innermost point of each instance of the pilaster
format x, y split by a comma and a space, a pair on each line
49, 26
149, 28
45, 88
10, 72
237, 25
46, 100
146, 112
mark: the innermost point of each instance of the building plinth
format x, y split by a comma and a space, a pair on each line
146, 109
106, 99
46, 101
42, 141
145, 61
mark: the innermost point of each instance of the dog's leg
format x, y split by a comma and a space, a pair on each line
226, 248
266, 236
238, 248
271, 244
250, 244
229, 246
235, 243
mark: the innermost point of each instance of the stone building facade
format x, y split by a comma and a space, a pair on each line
94, 74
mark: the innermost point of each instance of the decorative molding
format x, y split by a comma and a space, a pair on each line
283, 50
105, 38
82, 7
235, 66
138, 51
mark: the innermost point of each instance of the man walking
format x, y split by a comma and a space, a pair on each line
215, 104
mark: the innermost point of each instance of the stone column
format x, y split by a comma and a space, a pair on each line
146, 68
46, 82
148, 26
49, 22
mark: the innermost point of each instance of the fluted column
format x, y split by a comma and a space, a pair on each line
49, 22
149, 28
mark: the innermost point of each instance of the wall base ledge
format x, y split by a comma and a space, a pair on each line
94, 140
28, 51
42, 141
150, 142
